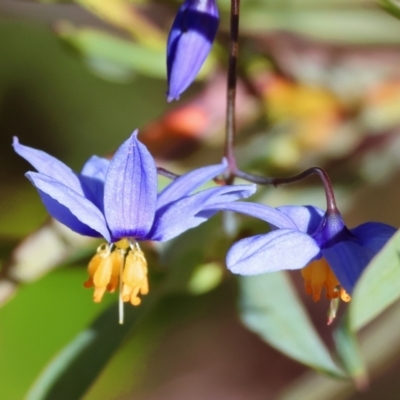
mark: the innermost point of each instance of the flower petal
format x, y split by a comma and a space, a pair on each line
348, 260
130, 191
96, 167
186, 213
275, 251
306, 218
92, 179
69, 207
48, 165
373, 235
186, 183
261, 211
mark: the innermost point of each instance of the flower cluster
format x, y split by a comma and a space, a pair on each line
118, 200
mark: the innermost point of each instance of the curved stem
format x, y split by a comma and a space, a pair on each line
230, 132
330, 196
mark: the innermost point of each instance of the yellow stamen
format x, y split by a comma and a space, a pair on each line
117, 262
120, 261
318, 274
344, 296
102, 277
134, 278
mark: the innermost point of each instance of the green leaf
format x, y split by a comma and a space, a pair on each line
205, 277
349, 352
348, 26
112, 54
378, 287
75, 368
270, 307
187, 255
391, 6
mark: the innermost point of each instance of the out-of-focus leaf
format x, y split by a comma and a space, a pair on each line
186, 255
391, 6
40, 252
354, 26
270, 307
205, 278
379, 345
74, 369
125, 55
349, 352
378, 287
124, 14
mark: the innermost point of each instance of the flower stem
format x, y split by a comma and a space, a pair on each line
166, 173
230, 131
330, 196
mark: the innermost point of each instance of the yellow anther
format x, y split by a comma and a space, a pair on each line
134, 278
102, 277
112, 261
92, 268
344, 296
318, 275
117, 258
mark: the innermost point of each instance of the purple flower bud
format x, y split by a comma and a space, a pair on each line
189, 43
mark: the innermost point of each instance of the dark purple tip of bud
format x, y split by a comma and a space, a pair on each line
189, 43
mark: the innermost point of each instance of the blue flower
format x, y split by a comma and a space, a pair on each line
118, 200
189, 43
308, 238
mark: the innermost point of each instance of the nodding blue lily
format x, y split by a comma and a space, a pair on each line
319, 242
117, 199
189, 42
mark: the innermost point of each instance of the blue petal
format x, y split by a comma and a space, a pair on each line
275, 251
48, 165
189, 43
186, 213
130, 191
92, 179
96, 167
306, 218
261, 211
69, 207
348, 260
373, 235
186, 183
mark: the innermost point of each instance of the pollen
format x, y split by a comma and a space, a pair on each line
121, 264
318, 275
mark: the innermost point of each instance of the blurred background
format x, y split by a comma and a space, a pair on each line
319, 84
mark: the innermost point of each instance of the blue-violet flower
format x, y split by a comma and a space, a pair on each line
189, 42
117, 199
330, 253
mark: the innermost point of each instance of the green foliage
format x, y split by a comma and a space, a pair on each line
378, 287
270, 307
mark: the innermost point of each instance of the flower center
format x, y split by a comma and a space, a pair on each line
317, 275
121, 263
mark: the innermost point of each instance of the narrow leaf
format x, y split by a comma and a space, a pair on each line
75, 368
270, 308
349, 352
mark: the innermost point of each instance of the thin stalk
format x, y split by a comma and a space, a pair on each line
330, 196
230, 131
